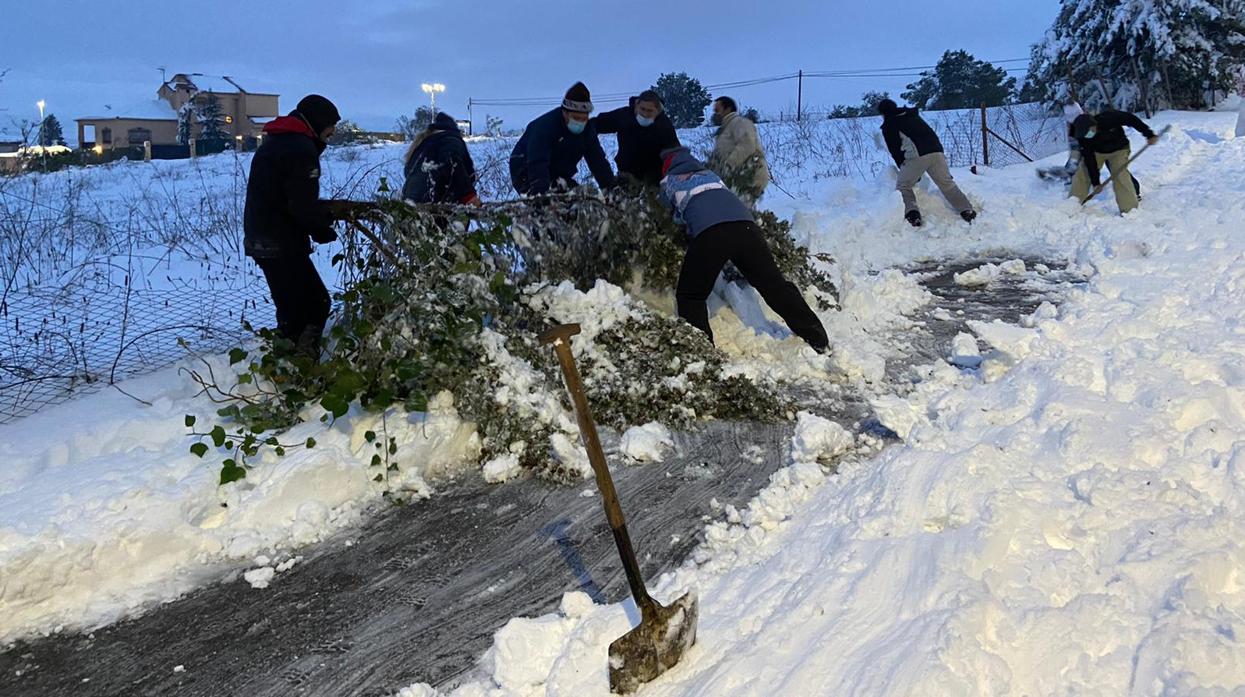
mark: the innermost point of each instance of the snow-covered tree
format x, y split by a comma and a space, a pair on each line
50, 133
1139, 54
185, 117
211, 119
410, 126
960, 81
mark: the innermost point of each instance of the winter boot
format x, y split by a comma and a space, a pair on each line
913, 218
969, 215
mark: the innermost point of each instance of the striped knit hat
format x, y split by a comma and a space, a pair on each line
578, 99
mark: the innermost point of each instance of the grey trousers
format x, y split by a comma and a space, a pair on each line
935, 165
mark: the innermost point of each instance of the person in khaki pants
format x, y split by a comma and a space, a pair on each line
1102, 140
917, 152
737, 154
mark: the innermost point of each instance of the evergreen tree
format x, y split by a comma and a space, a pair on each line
868, 106
960, 81
1139, 54
185, 116
410, 126
683, 98
50, 132
211, 119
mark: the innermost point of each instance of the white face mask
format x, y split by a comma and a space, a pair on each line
645, 122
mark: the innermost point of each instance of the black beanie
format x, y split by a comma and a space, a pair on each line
887, 106
578, 99
319, 112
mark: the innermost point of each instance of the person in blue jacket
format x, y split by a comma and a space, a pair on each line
547, 156
439, 167
722, 229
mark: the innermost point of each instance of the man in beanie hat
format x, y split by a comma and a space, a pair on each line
549, 152
918, 151
284, 214
644, 131
720, 228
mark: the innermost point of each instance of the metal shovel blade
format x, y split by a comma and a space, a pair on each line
654, 647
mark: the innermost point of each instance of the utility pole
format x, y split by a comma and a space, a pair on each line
799, 95
471, 119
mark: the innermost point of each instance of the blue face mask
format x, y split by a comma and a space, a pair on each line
1091, 133
645, 122
576, 127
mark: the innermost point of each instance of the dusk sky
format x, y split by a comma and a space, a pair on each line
371, 58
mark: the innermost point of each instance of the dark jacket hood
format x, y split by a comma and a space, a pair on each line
1081, 125
445, 122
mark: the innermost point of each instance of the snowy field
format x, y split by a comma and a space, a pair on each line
1064, 518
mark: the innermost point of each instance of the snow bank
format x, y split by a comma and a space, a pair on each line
103, 510
1073, 524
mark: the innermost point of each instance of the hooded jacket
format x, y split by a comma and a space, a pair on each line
908, 136
440, 169
548, 151
697, 196
737, 152
639, 147
283, 210
1109, 136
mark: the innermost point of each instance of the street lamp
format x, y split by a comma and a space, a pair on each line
41, 104
431, 90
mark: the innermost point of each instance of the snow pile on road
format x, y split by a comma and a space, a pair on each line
103, 509
647, 443
1072, 522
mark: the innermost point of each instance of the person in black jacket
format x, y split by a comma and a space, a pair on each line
644, 131
1102, 140
549, 152
284, 214
917, 151
439, 167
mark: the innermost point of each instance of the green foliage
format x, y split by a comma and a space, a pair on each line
211, 118
960, 81
411, 126
453, 303
868, 106
50, 132
683, 98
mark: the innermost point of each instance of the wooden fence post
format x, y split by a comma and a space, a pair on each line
985, 137
192, 148
146, 151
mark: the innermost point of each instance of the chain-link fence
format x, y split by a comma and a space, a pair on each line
58, 345
96, 265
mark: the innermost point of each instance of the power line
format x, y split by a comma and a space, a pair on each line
622, 97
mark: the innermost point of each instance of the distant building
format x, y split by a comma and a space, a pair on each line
156, 120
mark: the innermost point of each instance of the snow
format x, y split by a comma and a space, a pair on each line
150, 109
647, 443
1066, 518
1069, 524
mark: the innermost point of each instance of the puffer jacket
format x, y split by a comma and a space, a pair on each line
737, 154
697, 196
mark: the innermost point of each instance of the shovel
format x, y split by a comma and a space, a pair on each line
1125, 168
665, 633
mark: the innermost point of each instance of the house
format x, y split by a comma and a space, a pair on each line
156, 120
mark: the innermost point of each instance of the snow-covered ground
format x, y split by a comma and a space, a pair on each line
1064, 519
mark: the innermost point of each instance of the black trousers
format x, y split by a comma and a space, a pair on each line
741, 243
301, 300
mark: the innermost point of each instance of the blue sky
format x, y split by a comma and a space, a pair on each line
371, 58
